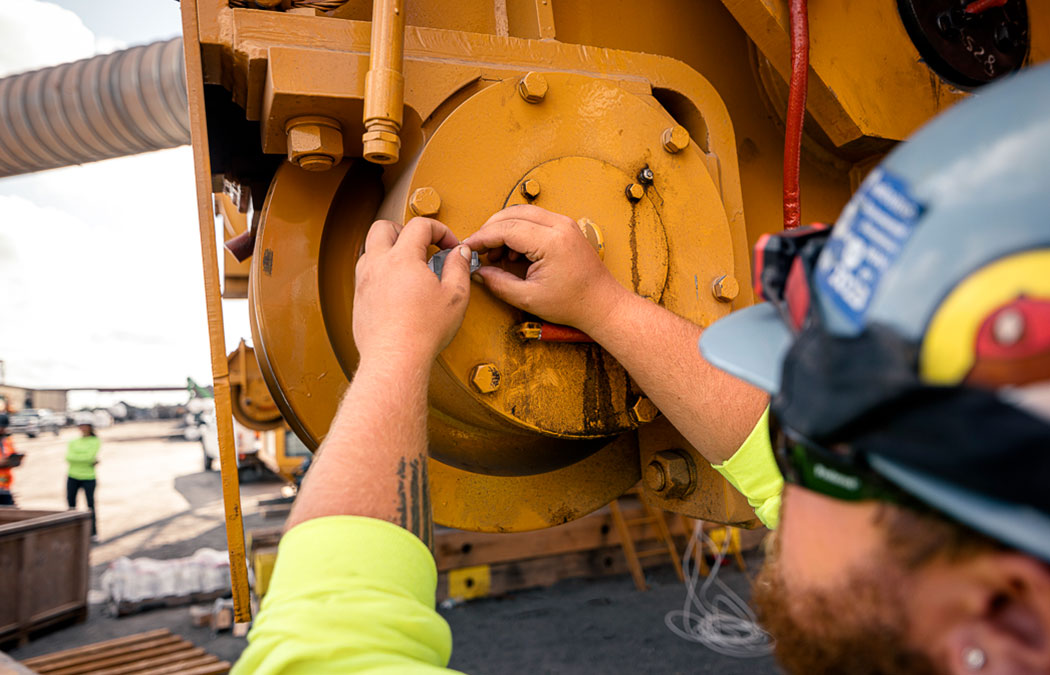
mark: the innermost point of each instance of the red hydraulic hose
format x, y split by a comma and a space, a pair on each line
980, 6
796, 111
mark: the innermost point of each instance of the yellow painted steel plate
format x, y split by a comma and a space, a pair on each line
555, 440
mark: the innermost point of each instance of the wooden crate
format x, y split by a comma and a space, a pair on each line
155, 652
44, 571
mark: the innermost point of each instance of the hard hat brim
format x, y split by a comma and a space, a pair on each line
749, 344
1019, 526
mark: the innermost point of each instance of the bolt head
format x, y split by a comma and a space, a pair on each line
643, 411
725, 288
533, 87
675, 139
530, 189
314, 143
635, 192
425, 201
485, 378
645, 176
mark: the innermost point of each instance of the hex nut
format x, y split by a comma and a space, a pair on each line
634, 192
485, 377
725, 288
530, 189
533, 87
425, 201
679, 474
643, 411
675, 139
314, 143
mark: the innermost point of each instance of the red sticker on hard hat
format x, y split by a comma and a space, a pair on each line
868, 238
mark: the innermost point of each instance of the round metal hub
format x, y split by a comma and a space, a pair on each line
523, 434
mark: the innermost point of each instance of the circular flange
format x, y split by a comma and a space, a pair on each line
634, 240
582, 145
967, 49
500, 469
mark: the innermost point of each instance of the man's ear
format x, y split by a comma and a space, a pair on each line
994, 614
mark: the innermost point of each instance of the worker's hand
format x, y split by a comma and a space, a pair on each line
402, 310
565, 283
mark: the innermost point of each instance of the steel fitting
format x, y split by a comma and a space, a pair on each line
675, 139
533, 87
314, 143
725, 288
485, 377
671, 474
425, 201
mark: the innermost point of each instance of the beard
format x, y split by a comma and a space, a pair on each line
858, 628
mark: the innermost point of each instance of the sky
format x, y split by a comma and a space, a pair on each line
100, 265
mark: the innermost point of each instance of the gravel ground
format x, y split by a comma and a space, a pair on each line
155, 501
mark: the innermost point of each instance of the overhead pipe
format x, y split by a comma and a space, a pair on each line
107, 106
385, 83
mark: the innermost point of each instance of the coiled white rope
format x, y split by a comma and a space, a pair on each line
722, 622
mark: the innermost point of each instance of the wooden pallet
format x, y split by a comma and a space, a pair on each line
156, 652
476, 564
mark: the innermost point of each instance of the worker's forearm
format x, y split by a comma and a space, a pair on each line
713, 410
374, 460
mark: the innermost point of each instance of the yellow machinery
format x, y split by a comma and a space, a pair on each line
660, 125
279, 450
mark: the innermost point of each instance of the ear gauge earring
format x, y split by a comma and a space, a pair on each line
974, 658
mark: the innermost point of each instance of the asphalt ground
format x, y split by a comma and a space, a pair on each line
155, 500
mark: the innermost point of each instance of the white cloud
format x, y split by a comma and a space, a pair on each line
100, 280
35, 34
100, 273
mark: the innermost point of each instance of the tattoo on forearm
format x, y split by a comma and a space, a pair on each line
413, 493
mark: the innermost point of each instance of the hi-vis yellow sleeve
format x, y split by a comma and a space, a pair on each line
753, 471
349, 595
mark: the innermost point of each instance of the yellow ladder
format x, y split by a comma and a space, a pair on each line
655, 517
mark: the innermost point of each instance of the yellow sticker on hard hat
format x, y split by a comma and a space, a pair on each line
948, 350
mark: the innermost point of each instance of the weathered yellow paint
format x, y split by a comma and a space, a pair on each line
693, 91
253, 406
231, 492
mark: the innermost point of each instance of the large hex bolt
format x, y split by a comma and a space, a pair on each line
485, 377
530, 189
315, 143
675, 139
634, 192
425, 201
725, 288
671, 474
533, 87
643, 411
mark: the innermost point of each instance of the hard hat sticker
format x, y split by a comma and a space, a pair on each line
867, 239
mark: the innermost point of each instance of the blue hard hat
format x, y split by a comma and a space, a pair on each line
936, 274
